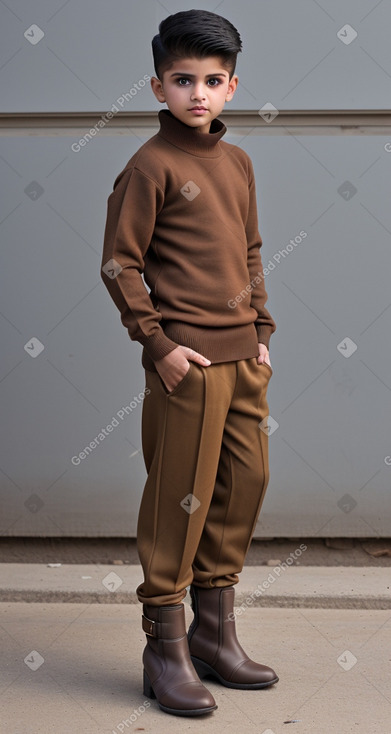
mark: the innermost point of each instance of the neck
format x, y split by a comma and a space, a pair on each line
203, 143
204, 129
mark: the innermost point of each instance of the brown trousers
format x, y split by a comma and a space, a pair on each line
208, 470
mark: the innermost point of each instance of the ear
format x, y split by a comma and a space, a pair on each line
157, 88
232, 85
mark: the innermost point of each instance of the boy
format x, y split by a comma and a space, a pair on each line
183, 214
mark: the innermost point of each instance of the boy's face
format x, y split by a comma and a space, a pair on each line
191, 83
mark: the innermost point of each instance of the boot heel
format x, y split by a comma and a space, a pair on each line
203, 669
148, 690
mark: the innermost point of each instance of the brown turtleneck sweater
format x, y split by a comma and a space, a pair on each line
183, 213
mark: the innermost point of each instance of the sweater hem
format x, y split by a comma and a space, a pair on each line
224, 344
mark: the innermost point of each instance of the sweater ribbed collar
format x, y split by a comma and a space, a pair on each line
205, 145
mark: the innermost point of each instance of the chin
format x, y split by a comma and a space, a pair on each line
194, 122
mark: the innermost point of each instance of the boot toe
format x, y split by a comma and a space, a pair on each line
188, 697
254, 674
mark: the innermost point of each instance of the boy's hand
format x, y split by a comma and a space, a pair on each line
173, 367
263, 354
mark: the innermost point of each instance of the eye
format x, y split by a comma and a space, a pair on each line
214, 79
182, 79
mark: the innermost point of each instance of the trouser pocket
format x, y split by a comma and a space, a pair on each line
180, 384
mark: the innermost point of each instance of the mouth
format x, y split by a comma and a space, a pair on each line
198, 108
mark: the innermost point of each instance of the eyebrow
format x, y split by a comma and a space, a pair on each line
192, 76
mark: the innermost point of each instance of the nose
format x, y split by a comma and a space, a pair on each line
198, 91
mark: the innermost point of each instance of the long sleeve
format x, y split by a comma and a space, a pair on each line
132, 208
264, 323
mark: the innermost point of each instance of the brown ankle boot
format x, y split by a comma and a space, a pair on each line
214, 647
169, 675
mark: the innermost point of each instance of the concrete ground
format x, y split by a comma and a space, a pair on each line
75, 666
280, 585
70, 668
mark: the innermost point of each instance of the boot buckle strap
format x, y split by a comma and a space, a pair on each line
149, 626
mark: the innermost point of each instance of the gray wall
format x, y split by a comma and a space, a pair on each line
94, 51
328, 292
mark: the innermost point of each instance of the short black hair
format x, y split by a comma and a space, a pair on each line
197, 33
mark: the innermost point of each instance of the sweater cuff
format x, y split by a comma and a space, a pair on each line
264, 333
158, 345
